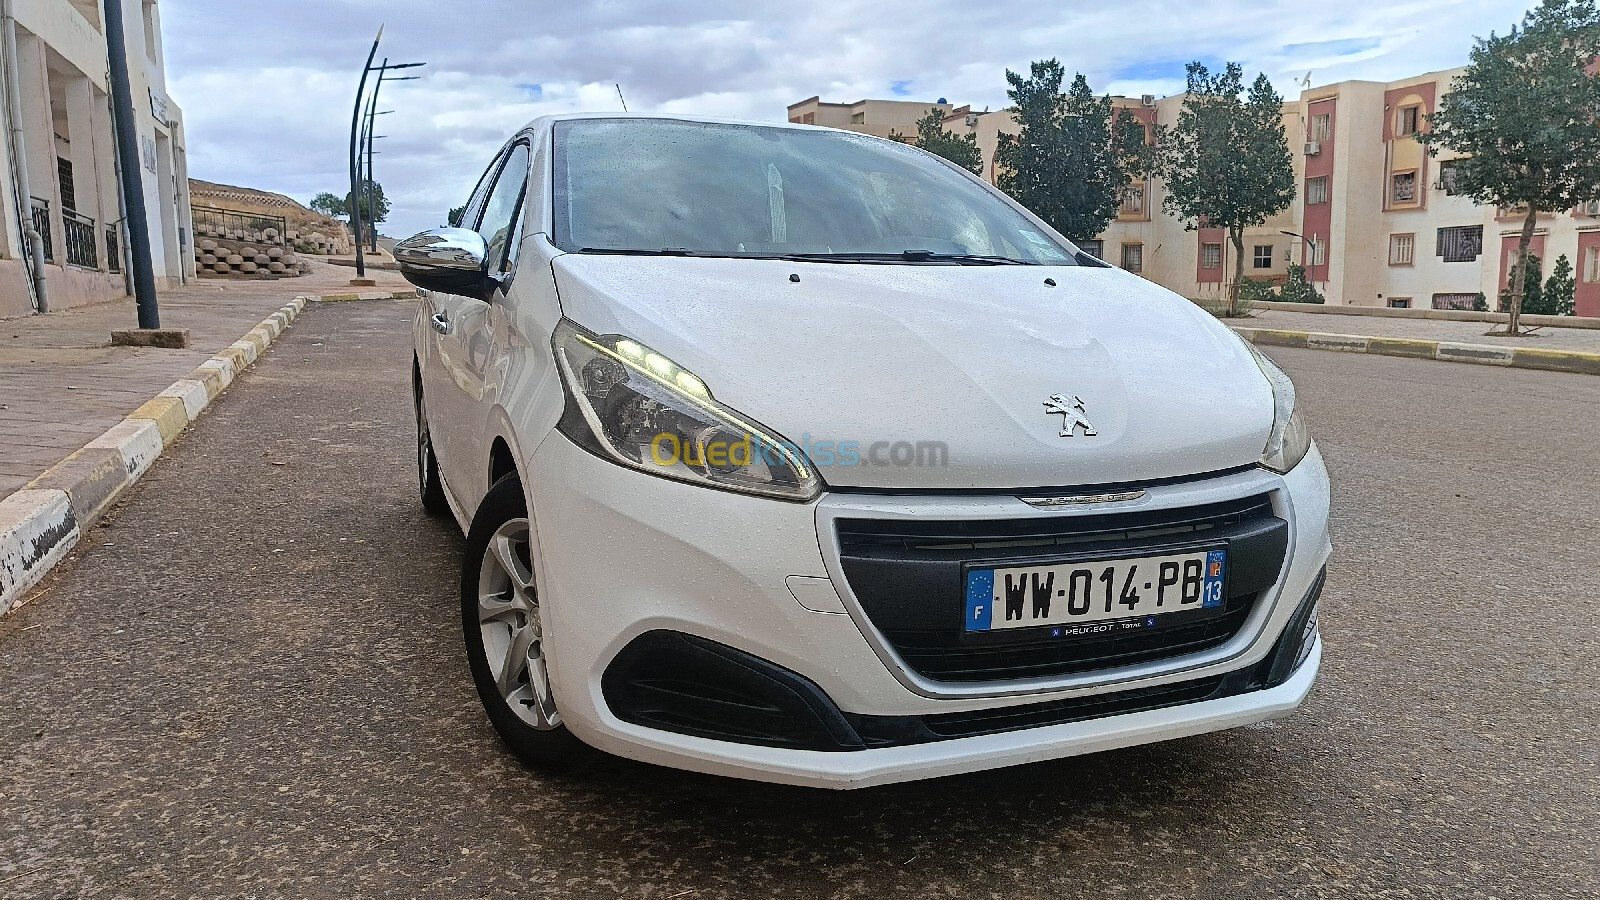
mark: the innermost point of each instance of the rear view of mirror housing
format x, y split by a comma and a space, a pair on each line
447, 260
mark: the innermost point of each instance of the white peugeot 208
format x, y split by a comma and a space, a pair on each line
799, 455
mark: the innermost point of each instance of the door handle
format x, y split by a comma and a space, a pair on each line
440, 323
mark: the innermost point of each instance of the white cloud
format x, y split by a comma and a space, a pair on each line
267, 88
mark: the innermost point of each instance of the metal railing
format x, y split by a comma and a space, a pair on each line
80, 239
41, 222
226, 222
113, 248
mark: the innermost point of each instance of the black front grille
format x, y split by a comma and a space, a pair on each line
907, 574
690, 685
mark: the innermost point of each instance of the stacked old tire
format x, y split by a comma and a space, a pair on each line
247, 253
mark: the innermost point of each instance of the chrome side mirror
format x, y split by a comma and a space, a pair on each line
447, 260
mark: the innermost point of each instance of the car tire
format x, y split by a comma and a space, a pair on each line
428, 482
504, 632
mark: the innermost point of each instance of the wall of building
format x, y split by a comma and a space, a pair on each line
70, 153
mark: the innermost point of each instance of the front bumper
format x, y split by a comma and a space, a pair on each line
620, 554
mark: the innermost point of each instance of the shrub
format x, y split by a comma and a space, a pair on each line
1254, 291
1297, 289
1556, 299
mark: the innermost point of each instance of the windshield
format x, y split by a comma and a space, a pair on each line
665, 185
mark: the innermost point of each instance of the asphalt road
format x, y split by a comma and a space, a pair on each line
250, 683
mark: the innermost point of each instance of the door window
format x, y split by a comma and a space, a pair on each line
500, 221
470, 212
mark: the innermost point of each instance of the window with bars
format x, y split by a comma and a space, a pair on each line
1401, 249
1403, 187
1399, 302
1095, 249
1133, 257
1317, 189
1455, 301
1210, 256
1460, 243
1591, 265
1262, 258
1447, 178
69, 193
1319, 252
1133, 200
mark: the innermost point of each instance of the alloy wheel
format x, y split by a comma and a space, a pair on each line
508, 621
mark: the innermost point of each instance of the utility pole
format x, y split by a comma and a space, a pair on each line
138, 225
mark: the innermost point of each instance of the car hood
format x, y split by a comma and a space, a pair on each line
892, 358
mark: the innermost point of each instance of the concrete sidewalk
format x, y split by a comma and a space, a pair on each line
1582, 340
64, 385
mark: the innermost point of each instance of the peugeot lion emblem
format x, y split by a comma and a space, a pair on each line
1072, 412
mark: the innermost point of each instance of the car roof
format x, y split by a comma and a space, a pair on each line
545, 122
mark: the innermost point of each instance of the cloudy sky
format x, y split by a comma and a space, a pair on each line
267, 88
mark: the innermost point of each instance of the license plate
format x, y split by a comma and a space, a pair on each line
1070, 596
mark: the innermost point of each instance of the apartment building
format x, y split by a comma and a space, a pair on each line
57, 80
1390, 227
1376, 221
875, 117
1143, 238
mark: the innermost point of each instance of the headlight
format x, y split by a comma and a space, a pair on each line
1289, 439
642, 410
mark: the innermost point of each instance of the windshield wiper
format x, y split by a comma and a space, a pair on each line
637, 251
908, 256
930, 256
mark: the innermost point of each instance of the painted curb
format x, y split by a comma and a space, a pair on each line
1446, 351
1446, 315
37, 528
365, 295
41, 522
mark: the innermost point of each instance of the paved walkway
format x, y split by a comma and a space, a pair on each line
62, 384
1586, 340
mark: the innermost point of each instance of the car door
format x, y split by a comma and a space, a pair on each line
438, 346
468, 340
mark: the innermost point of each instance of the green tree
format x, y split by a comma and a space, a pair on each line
1559, 290
329, 205
1531, 293
374, 205
1064, 165
1524, 115
1226, 161
961, 149
454, 217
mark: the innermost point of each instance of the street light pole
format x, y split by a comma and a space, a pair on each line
138, 225
372, 125
354, 169
367, 137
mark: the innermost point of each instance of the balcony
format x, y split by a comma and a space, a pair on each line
80, 235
